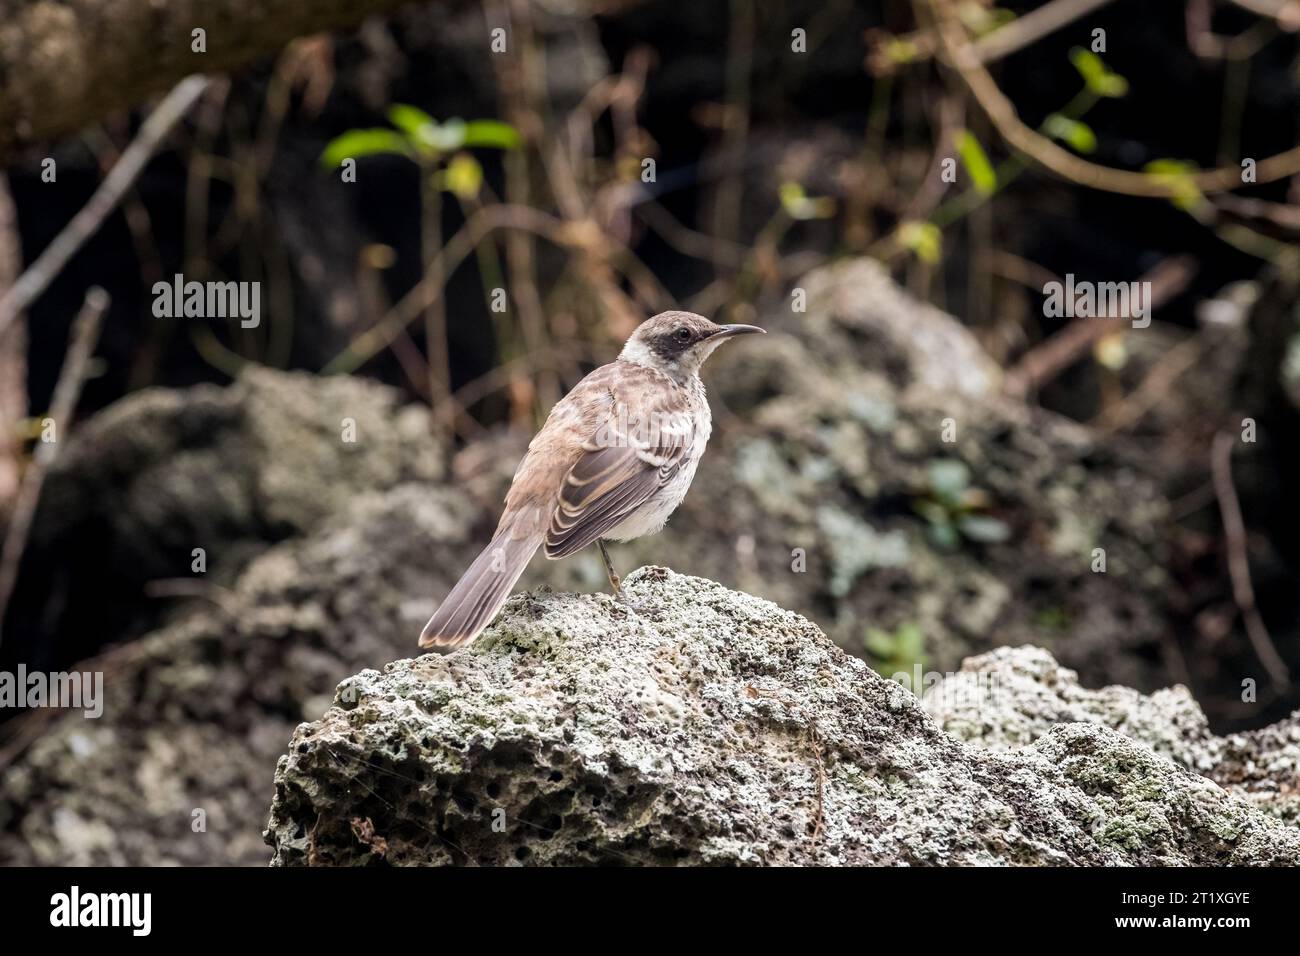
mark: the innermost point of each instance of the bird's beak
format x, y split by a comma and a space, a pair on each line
728, 330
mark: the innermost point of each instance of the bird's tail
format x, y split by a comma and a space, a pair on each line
480, 592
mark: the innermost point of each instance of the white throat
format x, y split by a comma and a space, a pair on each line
682, 369
638, 354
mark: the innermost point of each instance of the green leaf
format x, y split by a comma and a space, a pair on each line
931, 511
1177, 175
948, 478
901, 50
999, 17
981, 18
1078, 136
910, 641
791, 194
411, 120
1097, 76
879, 643
447, 137
922, 238
944, 536
492, 134
982, 528
799, 205
462, 177
356, 143
431, 137
1054, 618
977, 163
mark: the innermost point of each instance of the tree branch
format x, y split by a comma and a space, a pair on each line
64, 63
960, 53
1032, 27
1234, 530
13, 356
85, 334
86, 223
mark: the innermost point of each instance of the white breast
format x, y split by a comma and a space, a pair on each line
651, 516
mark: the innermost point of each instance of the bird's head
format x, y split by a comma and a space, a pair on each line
678, 342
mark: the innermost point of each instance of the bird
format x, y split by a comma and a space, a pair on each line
612, 462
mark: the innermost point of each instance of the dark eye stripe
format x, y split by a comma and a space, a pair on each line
671, 344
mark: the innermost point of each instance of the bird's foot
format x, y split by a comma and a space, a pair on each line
642, 608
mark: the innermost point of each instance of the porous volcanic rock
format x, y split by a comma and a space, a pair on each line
710, 727
1009, 698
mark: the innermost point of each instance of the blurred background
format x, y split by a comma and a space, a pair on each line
454, 210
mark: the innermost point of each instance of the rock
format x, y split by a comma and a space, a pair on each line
196, 713
325, 557
1011, 697
265, 458
860, 318
716, 729
857, 488
226, 471
819, 491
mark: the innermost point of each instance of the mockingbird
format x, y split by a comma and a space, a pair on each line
613, 461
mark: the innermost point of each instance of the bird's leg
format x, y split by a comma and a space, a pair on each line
615, 581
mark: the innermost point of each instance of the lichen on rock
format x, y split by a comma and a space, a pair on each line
712, 727
1014, 696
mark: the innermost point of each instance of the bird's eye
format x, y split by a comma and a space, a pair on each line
683, 335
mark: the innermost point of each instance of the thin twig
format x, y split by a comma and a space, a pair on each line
222, 597
738, 66
1154, 386
1285, 12
1008, 265
951, 117
961, 55
519, 79
1048, 359
1002, 42
30, 726
86, 223
13, 356
1239, 562
432, 285
85, 333
1033, 26
436, 345
501, 376
689, 242
598, 247
1208, 45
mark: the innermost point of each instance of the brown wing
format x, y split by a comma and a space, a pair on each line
634, 453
